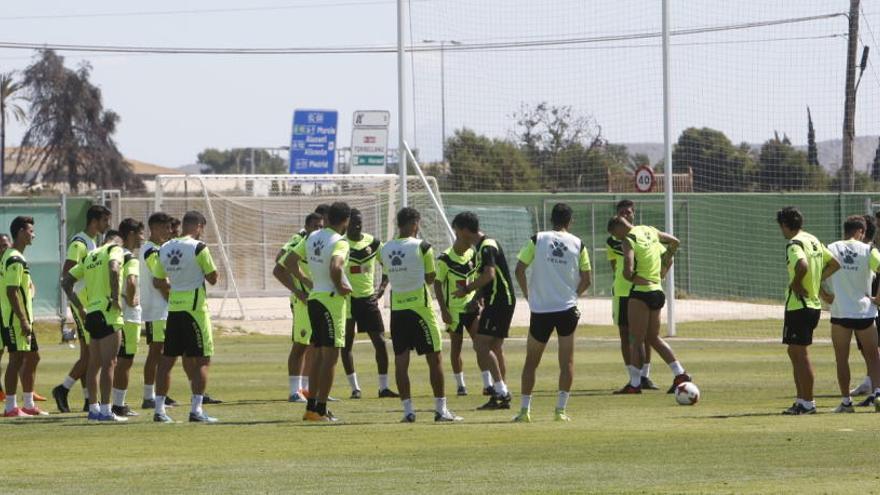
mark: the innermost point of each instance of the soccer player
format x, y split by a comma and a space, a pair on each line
326, 253
187, 264
647, 256
560, 274
132, 233
153, 292
620, 296
853, 309
495, 285
97, 222
102, 314
456, 267
175, 227
363, 306
5, 243
16, 305
301, 327
866, 387
409, 264
806, 258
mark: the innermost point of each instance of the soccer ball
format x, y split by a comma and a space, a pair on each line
687, 394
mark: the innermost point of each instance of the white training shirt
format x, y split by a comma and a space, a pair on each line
154, 307
557, 260
178, 258
851, 284
403, 262
320, 247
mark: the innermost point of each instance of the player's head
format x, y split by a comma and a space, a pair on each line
174, 226
356, 223
790, 221
408, 220
5, 242
626, 209
112, 236
22, 230
338, 216
466, 226
618, 226
132, 232
98, 218
560, 216
323, 209
854, 227
314, 221
193, 224
160, 226
870, 229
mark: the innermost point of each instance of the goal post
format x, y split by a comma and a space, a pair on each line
251, 216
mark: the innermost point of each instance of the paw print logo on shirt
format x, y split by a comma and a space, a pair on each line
397, 258
174, 257
319, 245
849, 256
558, 249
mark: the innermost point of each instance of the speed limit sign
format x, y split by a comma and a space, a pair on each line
644, 177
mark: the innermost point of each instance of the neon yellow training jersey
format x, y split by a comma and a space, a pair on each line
361, 266
648, 256
455, 271
804, 246
16, 273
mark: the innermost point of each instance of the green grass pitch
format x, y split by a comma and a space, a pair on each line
733, 441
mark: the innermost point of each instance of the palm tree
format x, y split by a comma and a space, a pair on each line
11, 92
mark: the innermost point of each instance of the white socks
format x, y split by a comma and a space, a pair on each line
383, 382
105, 409
646, 370
353, 381
160, 404
149, 392
305, 385
500, 388
562, 399
440, 404
809, 404
408, 406
11, 402
68, 382
847, 401
487, 378
94, 408
676, 368
295, 383
86, 393
196, 404
459, 379
118, 396
635, 376
526, 402
28, 400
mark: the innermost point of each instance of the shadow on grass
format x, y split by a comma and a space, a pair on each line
743, 415
43, 420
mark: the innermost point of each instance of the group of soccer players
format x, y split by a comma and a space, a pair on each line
116, 283
844, 275
329, 268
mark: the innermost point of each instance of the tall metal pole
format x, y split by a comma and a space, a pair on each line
401, 110
849, 105
443, 96
667, 169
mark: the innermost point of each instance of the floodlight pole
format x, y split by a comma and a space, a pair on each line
401, 146
667, 169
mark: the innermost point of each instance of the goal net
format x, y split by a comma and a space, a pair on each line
519, 104
251, 216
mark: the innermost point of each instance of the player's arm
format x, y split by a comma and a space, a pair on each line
383, 284
831, 263
282, 274
486, 277
114, 266
428, 263
157, 271
671, 243
292, 264
586, 271
286, 266
337, 267
206, 263
442, 273
629, 262
131, 284
524, 259
12, 280
70, 278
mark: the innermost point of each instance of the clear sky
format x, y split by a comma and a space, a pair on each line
746, 82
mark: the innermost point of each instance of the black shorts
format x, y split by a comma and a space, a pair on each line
188, 334
465, 320
541, 325
495, 320
414, 330
97, 325
327, 330
7, 336
366, 315
655, 299
623, 311
853, 323
799, 325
